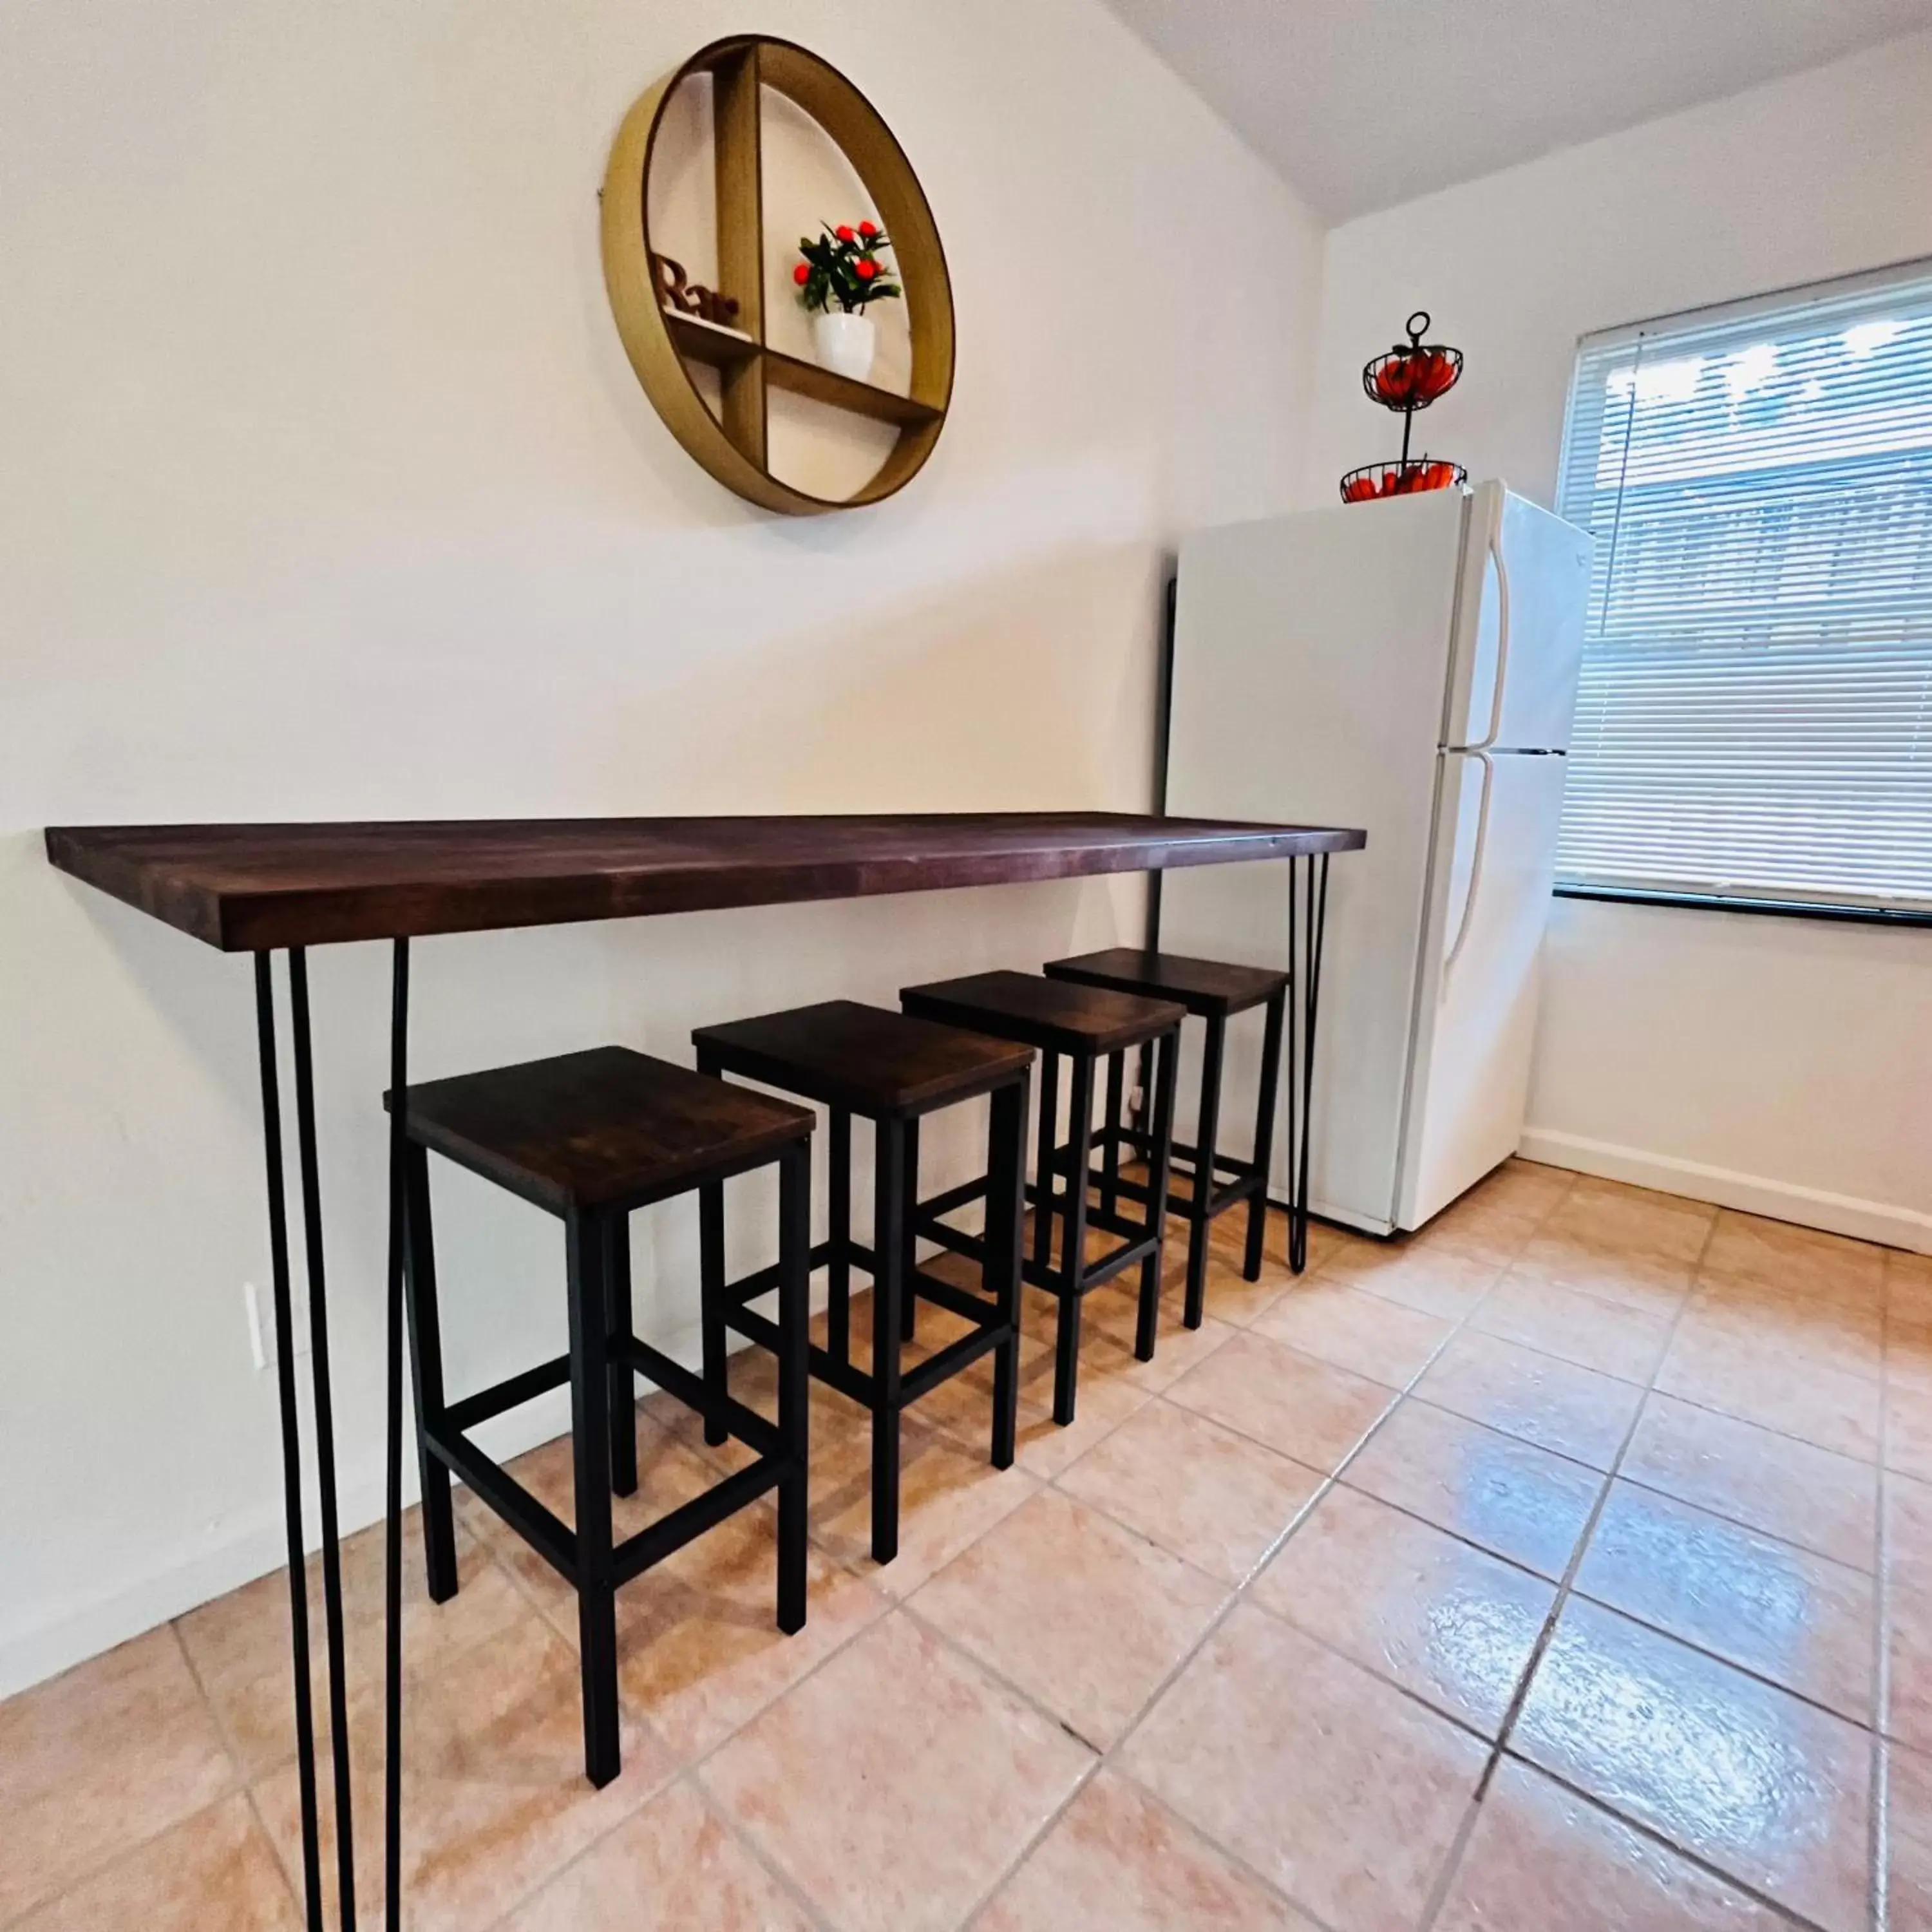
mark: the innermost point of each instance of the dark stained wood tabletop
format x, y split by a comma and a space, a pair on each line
247, 888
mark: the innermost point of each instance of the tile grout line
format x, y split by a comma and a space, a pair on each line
1110, 1759
684, 1768
239, 1785
1459, 1847
1652, 1835
125, 1855
245, 1781
1879, 1827
783, 1879
690, 1768
1875, 1727
688, 1772
1107, 1758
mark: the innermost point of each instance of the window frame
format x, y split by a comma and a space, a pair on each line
1792, 299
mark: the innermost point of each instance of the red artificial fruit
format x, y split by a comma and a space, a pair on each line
1395, 481
1414, 381
845, 234
865, 270
802, 273
868, 229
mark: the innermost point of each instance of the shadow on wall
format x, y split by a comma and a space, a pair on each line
1030, 692
131, 1167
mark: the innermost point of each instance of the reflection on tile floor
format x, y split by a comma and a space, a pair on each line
1567, 1566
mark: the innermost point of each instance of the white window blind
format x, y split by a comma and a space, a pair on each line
1754, 721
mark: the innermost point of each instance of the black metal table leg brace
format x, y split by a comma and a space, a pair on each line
1307, 923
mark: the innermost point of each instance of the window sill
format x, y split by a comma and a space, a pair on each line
1775, 908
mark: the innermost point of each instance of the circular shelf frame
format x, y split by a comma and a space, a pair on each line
661, 343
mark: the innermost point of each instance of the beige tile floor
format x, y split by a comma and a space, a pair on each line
1568, 1566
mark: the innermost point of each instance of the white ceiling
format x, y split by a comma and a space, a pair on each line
1363, 103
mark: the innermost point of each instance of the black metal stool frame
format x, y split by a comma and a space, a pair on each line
889, 1388
1206, 1202
601, 1365
1075, 1277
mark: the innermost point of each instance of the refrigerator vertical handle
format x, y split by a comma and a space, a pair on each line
1475, 869
1488, 738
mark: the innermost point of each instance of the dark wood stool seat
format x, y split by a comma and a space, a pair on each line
868, 1060
599, 1128
891, 1069
1213, 991
589, 1137
1082, 1024
1208, 988
1045, 1013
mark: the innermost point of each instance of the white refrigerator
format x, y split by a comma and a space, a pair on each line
1409, 667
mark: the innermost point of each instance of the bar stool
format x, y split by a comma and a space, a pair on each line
1081, 1024
891, 1070
589, 1137
1214, 992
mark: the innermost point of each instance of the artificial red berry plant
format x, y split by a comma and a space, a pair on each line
842, 269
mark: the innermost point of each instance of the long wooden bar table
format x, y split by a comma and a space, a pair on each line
262, 889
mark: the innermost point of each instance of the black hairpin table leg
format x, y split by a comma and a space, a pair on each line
269, 1048
1307, 923
267, 1045
324, 1436
392, 1728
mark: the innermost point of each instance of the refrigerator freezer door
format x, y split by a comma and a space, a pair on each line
1311, 654
1525, 579
1477, 1021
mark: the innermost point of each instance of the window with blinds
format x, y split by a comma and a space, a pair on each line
1754, 721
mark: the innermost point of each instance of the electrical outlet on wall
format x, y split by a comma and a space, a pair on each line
259, 1307
258, 1319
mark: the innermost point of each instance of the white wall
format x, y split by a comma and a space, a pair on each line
328, 492
1777, 1064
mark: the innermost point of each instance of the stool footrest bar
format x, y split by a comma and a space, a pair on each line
1235, 1192
1183, 1151
828, 1368
512, 1394
1095, 1274
765, 1280
747, 1424
955, 1239
915, 1382
548, 1535
954, 1198
950, 1295
653, 1544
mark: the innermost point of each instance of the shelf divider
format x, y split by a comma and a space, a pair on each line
737, 144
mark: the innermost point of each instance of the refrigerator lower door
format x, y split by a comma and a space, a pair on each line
1476, 1020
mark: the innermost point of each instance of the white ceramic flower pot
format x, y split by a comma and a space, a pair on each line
844, 343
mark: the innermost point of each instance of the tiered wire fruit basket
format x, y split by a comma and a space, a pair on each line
1409, 377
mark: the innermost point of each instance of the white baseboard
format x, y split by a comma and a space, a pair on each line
248, 1547
1751, 1193
252, 1544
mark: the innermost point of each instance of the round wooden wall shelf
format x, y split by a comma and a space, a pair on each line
661, 343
